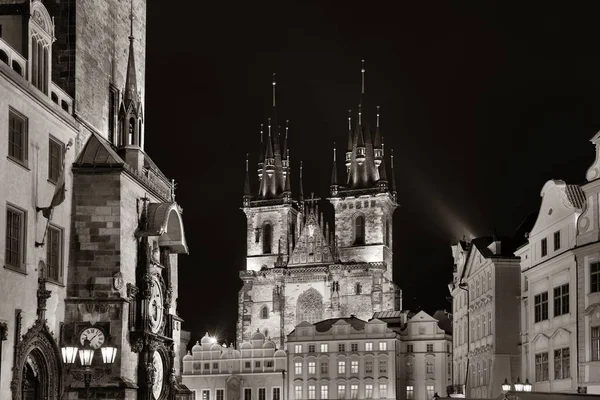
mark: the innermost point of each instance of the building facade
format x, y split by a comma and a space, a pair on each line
485, 292
303, 266
255, 370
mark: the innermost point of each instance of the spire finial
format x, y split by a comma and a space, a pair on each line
362, 71
287, 127
392, 158
334, 152
349, 120
131, 20
246, 162
262, 133
377, 116
360, 114
274, 84
269, 128
301, 194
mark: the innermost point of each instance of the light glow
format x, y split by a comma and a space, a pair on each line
69, 354
86, 356
109, 354
506, 386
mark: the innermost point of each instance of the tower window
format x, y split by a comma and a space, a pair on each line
112, 112
264, 313
359, 230
267, 239
131, 130
358, 288
387, 232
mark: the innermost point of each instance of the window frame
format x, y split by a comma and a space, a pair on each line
562, 363
297, 367
324, 347
24, 145
60, 257
22, 250
247, 393
382, 346
561, 300
324, 390
312, 392
341, 367
541, 371
277, 390
410, 392
430, 347
359, 240
595, 343
312, 367
52, 141
267, 249
220, 391
540, 307
383, 388
556, 240
544, 247
594, 277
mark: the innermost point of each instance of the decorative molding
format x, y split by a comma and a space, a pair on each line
42, 296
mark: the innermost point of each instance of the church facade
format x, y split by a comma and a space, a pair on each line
302, 265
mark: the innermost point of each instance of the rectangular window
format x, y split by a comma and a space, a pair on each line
430, 347
541, 306
206, 395
324, 347
54, 253
595, 343
382, 366
368, 391
556, 240
262, 394
256, 364
544, 249
298, 391
409, 348
430, 389
490, 280
55, 155
311, 348
247, 364
312, 367
215, 365
490, 322
541, 367
341, 367
595, 277
430, 367
369, 346
383, 390
341, 392
221, 394
312, 392
276, 394
354, 347
369, 366
247, 394
561, 300
354, 367
341, 347
298, 348
382, 346
324, 391
298, 368
483, 325
410, 392
269, 364
17, 137
206, 365
324, 367
15, 238
562, 363
353, 391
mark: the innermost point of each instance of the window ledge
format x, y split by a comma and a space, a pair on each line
15, 269
52, 182
56, 283
18, 162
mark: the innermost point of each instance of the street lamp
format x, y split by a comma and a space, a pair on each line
89, 374
527, 386
519, 387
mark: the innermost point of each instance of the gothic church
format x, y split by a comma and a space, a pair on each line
299, 267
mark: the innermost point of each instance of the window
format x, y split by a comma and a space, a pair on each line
298, 391
595, 343
359, 230
206, 395
264, 312
298, 368
358, 288
206, 365
341, 347
409, 348
247, 394
430, 347
39, 63
341, 392
382, 346
55, 153
256, 364
311, 348
561, 300
478, 328
354, 367
484, 371
276, 394
113, 97
267, 238
324, 391
262, 394
353, 391
354, 347
369, 346
382, 366
556, 240
595, 277
490, 280
324, 347
479, 376
17, 137
541, 307
247, 364
298, 348
429, 367
215, 365
54, 253
410, 392
477, 287
324, 367
430, 389
369, 366
341, 367
221, 394
544, 247
541, 367
368, 391
312, 367
312, 392
15, 238
383, 390
489, 322
483, 325
269, 364
562, 363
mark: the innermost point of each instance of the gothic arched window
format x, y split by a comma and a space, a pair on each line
267, 239
359, 229
309, 306
387, 232
358, 288
131, 130
264, 313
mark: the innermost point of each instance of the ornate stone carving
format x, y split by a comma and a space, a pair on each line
103, 307
42, 296
118, 281
137, 345
132, 291
168, 298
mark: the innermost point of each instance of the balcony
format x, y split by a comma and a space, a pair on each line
13, 59
61, 98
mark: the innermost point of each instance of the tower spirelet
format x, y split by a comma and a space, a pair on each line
261, 154
247, 191
377, 146
334, 178
350, 142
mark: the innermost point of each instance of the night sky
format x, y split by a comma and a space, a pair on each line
481, 103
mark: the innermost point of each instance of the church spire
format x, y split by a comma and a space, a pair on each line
131, 93
334, 178
301, 191
247, 192
261, 154
393, 180
377, 145
350, 141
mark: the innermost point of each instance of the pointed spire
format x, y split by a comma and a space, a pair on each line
360, 141
288, 185
382, 167
362, 71
269, 151
377, 143
130, 79
334, 178
274, 84
247, 191
261, 154
284, 150
301, 194
393, 176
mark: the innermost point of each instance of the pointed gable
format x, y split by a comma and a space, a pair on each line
422, 316
559, 201
98, 152
311, 247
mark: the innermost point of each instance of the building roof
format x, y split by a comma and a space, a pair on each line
98, 152
324, 326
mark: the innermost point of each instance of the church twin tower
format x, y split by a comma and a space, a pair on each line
298, 266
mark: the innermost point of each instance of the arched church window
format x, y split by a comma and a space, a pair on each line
387, 232
264, 313
131, 130
3, 57
309, 306
359, 229
358, 288
267, 239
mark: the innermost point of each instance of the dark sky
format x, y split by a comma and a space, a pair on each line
482, 103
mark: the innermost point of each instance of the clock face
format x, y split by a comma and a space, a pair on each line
158, 376
156, 306
94, 335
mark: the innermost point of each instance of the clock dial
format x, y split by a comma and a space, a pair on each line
158, 376
155, 306
94, 335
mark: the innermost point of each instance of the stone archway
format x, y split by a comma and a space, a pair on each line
234, 388
309, 306
37, 373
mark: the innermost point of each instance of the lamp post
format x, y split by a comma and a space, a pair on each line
518, 386
88, 373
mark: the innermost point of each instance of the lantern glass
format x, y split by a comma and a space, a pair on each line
506, 386
86, 356
518, 385
527, 386
109, 354
69, 354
